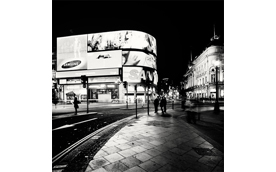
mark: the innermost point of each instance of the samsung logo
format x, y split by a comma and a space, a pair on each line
71, 64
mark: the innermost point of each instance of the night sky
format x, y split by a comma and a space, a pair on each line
178, 26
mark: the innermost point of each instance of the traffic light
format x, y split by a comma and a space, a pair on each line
125, 84
83, 80
55, 86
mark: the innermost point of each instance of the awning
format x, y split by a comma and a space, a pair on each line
71, 93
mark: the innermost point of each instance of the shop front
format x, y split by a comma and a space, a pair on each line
104, 92
100, 89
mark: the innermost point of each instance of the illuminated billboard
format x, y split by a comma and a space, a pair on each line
104, 59
121, 40
72, 55
139, 74
101, 72
138, 58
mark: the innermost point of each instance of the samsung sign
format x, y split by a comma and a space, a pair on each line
71, 64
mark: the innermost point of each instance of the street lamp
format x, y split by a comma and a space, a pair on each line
149, 92
216, 108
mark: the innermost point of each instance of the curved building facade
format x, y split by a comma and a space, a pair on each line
107, 59
200, 78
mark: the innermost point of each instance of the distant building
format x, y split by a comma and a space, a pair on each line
199, 80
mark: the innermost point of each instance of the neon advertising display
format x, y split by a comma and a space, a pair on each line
137, 74
138, 58
121, 40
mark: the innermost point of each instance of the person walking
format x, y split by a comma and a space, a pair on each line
76, 106
156, 103
163, 104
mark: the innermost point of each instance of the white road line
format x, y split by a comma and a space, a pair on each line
71, 125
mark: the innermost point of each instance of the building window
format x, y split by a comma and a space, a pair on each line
202, 80
213, 79
206, 79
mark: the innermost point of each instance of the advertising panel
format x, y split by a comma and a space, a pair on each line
103, 79
132, 74
138, 58
121, 40
71, 53
104, 59
103, 72
138, 74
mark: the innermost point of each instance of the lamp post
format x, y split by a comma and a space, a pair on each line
216, 108
148, 98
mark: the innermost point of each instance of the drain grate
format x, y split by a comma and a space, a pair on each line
204, 151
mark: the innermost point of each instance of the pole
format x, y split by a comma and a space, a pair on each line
136, 99
216, 109
127, 96
63, 97
148, 100
172, 104
87, 95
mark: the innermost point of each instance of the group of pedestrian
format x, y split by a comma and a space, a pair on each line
163, 103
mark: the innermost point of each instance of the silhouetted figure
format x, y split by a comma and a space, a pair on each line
163, 104
156, 103
76, 106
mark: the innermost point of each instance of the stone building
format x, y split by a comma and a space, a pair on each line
200, 78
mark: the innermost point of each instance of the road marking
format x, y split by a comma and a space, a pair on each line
85, 121
95, 137
60, 166
71, 125
64, 126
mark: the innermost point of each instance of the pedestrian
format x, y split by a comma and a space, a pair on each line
156, 103
76, 106
163, 104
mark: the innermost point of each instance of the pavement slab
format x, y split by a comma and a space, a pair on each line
116, 167
150, 166
127, 153
135, 169
114, 157
112, 149
131, 161
98, 163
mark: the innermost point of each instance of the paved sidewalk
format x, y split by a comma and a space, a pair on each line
157, 143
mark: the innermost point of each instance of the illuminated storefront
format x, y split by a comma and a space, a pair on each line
107, 59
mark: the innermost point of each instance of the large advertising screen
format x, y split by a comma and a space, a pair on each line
104, 59
138, 58
121, 40
139, 74
72, 55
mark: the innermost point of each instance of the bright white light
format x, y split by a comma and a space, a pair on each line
216, 63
